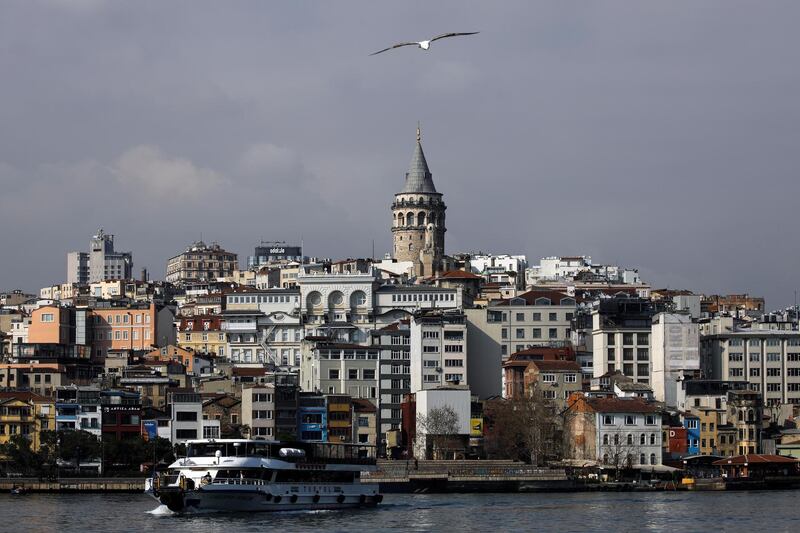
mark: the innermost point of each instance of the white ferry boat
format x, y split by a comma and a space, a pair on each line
260, 475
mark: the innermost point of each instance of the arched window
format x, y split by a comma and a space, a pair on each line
410, 246
642, 439
401, 219
630, 439
542, 301
605, 458
421, 218
652, 458
605, 439
358, 298
410, 219
314, 299
750, 416
642, 459
652, 438
616, 438
432, 218
335, 299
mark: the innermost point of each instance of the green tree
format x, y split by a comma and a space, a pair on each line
19, 456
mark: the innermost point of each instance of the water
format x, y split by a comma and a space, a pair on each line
681, 511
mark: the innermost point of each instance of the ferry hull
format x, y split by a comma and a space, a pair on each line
209, 500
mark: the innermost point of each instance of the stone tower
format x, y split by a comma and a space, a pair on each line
418, 222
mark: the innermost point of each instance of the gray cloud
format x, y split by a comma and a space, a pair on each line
660, 136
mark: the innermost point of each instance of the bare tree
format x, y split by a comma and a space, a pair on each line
526, 428
620, 451
438, 428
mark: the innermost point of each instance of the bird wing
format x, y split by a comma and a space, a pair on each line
398, 45
445, 35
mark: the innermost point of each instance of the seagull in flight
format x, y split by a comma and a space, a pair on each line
423, 44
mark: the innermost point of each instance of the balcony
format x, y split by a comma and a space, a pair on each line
237, 327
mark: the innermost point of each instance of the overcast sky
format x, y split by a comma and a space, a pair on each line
663, 136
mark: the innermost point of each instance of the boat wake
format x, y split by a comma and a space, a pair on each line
161, 510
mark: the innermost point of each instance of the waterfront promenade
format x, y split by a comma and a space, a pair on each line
66, 485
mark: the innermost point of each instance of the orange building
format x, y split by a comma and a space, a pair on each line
165, 354
124, 328
51, 324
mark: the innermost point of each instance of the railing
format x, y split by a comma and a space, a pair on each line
239, 481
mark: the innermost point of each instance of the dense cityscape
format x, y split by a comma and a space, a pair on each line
427, 356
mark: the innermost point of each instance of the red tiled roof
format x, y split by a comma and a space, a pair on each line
458, 274
530, 297
520, 363
23, 395
546, 352
621, 405
754, 458
198, 322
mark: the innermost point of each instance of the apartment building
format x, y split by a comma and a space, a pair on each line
201, 262
768, 359
534, 318
438, 350
621, 332
258, 410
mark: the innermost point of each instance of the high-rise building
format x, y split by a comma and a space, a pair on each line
78, 268
104, 262
101, 263
418, 218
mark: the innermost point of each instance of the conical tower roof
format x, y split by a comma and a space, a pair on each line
418, 177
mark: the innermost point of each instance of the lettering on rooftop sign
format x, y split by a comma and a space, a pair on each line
277, 250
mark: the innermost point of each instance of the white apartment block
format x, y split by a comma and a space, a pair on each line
337, 368
412, 298
768, 359
258, 410
264, 326
438, 350
496, 268
627, 435
535, 318
621, 333
565, 268
675, 351
187, 416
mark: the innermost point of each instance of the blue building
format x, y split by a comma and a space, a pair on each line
312, 417
692, 424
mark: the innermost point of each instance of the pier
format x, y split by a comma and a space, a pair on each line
66, 485
465, 476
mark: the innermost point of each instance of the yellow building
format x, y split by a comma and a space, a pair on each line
340, 418
202, 334
27, 414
